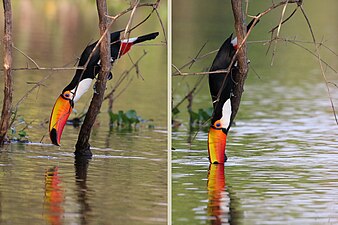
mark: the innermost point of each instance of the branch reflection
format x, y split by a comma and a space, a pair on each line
81, 168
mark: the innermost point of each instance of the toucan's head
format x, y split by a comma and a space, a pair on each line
65, 103
61, 111
216, 143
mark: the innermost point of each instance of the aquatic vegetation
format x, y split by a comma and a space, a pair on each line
127, 119
201, 117
197, 119
19, 131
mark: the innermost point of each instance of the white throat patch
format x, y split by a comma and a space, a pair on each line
83, 87
226, 114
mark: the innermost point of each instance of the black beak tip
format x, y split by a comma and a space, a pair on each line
53, 137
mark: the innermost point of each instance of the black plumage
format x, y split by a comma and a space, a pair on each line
93, 66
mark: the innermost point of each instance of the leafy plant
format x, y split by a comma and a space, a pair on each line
196, 119
19, 134
126, 119
201, 117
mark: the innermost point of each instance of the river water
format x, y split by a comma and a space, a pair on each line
282, 150
126, 180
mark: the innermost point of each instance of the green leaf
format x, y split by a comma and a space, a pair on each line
22, 133
193, 116
202, 116
209, 110
132, 116
122, 118
175, 111
113, 117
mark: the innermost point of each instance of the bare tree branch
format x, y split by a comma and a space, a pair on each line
82, 145
111, 96
190, 93
241, 56
320, 64
278, 31
8, 79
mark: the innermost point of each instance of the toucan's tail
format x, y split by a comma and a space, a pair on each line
251, 22
146, 37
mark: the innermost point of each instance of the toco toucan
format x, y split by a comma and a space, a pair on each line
221, 87
82, 80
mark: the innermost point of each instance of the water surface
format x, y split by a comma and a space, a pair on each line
282, 151
125, 181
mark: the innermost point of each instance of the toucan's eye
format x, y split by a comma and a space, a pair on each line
217, 124
67, 95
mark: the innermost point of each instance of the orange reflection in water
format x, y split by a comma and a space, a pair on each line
218, 197
53, 210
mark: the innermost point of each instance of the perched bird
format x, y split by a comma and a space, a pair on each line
221, 87
82, 80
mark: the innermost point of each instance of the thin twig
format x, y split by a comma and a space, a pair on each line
123, 90
123, 76
191, 92
284, 21
178, 70
278, 31
199, 52
197, 73
320, 64
47, 68
131, 8
24, 54
131, 17
162, 25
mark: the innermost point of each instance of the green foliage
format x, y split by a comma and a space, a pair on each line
127, 119
196, 119
201, 117
18, 130
175, 111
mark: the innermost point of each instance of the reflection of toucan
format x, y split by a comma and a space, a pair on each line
54, 197
218, 197
221, 86
83, 79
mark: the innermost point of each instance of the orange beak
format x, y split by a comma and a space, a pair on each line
61, 111
216, 145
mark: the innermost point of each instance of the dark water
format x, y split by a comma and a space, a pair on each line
282, 166
126, 180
